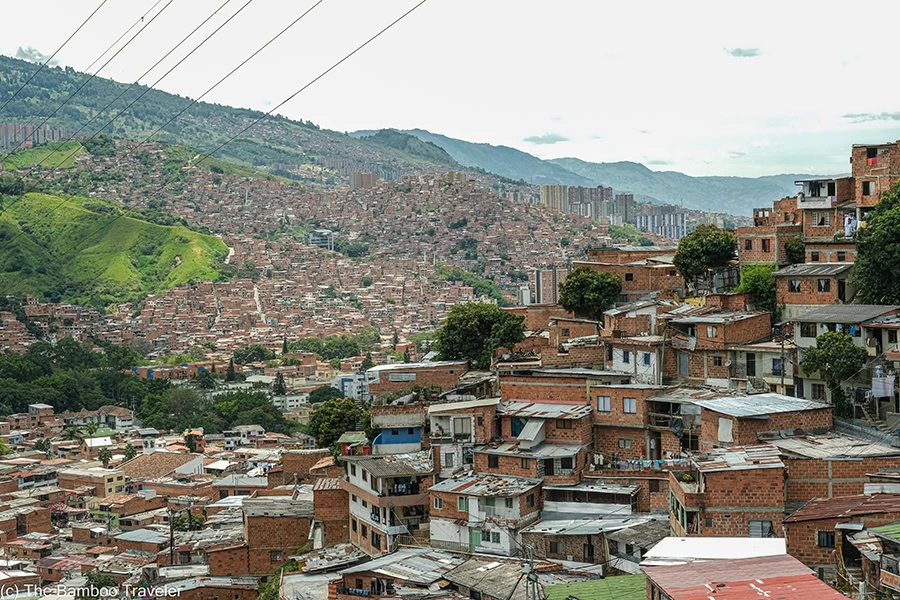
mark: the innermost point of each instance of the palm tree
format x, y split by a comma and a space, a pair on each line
43, 445
130, 451
91, 428
105, 455
72, 433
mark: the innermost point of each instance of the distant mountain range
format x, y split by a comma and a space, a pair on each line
735, 195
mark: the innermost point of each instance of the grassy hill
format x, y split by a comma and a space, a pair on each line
276, 142
94, 257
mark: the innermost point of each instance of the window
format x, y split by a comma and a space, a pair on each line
624, 444
626, 356
481, 421
777, 367
814, 256
824, 285
409, 431
766, 245
565, 333
832, 188
276, 556
748, 244
353, 498
495, 537
493, 461
822, 219
438, 503
717, 361
603, 402
751, 364
508, 502
794, 286
892, 336
365, 475
376, 540
868, 188
761, 528
629, 276
526, 463
808, 330
653, 486
556, 548
353, 470
365, 504
647, 359
353, 525
841, 256
563, 424
825, 539
448, 459
629, 405
818, 391
462, 504
529, 500
567, 463
490, 501
395, 432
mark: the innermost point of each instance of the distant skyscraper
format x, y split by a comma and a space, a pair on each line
523, 295
555, 196
362, 180
546, 284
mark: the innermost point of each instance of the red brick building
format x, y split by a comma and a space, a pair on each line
384, 379
801, 287
642, 277
331, 511
764, 241
733, 492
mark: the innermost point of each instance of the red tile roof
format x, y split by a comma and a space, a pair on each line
846, 506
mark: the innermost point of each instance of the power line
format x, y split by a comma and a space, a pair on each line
280, 104
52, 56
89, 79
146, 90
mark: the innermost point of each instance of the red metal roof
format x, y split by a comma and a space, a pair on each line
780, 577
846, 507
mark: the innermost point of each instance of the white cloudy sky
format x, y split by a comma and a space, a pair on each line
700, 87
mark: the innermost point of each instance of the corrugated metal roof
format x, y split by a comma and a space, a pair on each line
758, 405
398, 465
845, 313
845, 507
776, 577
415, 565
625, 587
814, 270
831, 445
483, 484
449, 407
890, 531
739, 458
686, 549
543, 450
544, 410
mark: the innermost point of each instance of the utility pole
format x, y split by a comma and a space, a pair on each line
171, 537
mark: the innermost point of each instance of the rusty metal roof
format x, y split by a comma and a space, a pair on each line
544, 410
739, 458
846, 507
780, 577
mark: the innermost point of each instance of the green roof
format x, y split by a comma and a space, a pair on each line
624, 587
101, 432
354, 438
891, 530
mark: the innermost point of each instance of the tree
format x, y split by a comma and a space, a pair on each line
588, 293
475, 331
836, 358
190, 440
758, 281
707, 248
323, 394
188, 522
73, 434
279, 387
205, 380
332, 418
284, 345
105, 455
367, 362
876, 272
367, 281
795, 250
43, 445
253, 353
10, 185
229, 374
130, 451
91, 428
395, 340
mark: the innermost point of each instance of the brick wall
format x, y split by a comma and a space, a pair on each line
802, 536
443, 377
543, 389
300, 462
809, 290
816, 478
828, 252
629, 326
578, 433
617, 394
638, 280
214, 592
332, 509
744, 431
268, 535
593, 357
607, 442
569, 546
756, 244
362, 537
537, 316
37, 521
618, 256
229, 561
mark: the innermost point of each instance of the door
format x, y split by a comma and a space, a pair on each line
842, 290
751, 364
682, 364
474, 539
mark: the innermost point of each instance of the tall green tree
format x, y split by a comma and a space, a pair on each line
279, 387
105, 455
367, 362
876, 271
706, 249
130, 451
475, 331
795, 250
332, 418
837, 359
588, 293
759, 282
229, 374
323, 394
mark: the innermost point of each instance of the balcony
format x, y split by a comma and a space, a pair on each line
815, 202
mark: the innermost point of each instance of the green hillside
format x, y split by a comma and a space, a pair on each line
57, 155
94, 257
275, 143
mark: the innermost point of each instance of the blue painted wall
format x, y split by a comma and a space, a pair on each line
402, 436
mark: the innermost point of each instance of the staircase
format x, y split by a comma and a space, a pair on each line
874, 421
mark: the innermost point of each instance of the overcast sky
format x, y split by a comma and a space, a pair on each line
716, 88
